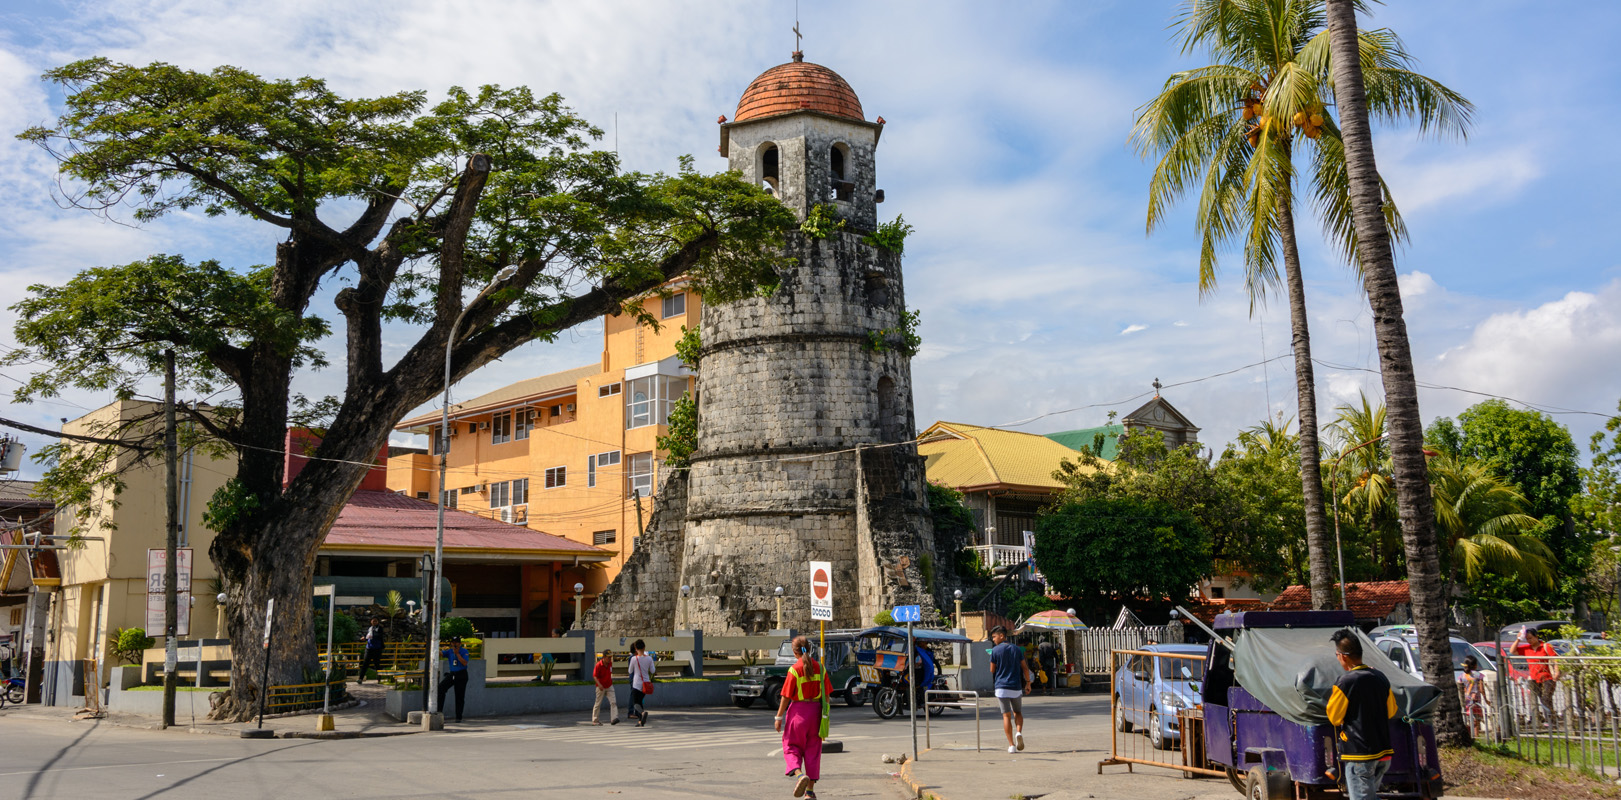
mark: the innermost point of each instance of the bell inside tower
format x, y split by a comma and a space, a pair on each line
769, 169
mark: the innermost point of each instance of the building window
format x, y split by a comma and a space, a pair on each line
649, 399
520, 492
17, 613
501, 428
499, 495
608, 391
469, 490
769, 168
472, 427
1217, 593
838, 158
556, 476
675, 305
640, 478
555, 411
422, 495
522, 421
603, 537
450, 498
592, 462
436, 440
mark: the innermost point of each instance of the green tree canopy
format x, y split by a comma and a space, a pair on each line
484, 222
1110, 550
1526, 448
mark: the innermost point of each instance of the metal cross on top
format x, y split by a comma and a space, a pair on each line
797, 37
1157, 387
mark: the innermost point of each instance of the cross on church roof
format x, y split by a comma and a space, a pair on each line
1157, 387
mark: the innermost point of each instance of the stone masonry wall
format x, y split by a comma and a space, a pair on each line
642, 599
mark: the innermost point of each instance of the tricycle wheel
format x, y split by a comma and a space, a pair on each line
852, 694
1237, 779
886, 703
1120, 722
1268, 785
743, 702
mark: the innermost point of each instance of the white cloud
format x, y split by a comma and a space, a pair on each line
1464, 179
1133, 329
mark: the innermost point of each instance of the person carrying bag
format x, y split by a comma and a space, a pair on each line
803, 718
641, 668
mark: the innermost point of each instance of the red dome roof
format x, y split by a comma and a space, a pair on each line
798, 86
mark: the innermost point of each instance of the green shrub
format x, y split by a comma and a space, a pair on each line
890, 236
883, 618
822, 221
456, 626
127, 643
346, 629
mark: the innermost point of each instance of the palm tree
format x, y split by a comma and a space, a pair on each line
1483, 525
1232, 127
1357, 92
1360, 474
1270, 436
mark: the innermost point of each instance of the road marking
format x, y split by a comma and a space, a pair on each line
141, 764
658, 742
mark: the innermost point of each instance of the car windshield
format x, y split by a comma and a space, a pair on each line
786, 650
1462, 649
1182, 669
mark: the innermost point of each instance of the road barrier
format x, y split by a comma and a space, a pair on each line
949, 698
1148, 694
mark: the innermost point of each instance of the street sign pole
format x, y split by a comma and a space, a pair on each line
911, 664
264, 680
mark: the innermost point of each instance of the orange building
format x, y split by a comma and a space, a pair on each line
566, 453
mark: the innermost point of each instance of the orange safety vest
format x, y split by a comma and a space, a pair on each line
807, 687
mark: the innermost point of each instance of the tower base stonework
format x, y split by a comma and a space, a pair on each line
642, 600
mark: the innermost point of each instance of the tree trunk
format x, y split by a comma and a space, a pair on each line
1319, 537
1414, 501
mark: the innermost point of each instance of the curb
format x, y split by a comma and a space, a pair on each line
914, 785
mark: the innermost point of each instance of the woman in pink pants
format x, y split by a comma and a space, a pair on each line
799, 718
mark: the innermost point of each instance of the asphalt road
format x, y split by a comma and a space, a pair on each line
683, 754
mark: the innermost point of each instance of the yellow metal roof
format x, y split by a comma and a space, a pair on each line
509, 395
970, 456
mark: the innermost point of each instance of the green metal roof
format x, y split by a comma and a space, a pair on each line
1076, 439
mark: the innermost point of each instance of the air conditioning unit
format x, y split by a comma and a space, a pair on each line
571, 408
506, 515
455, 429
484, 426
483, 487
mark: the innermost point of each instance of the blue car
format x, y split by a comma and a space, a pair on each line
1149, 691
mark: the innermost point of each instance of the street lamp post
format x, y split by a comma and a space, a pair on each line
219, 616
579, 594
439, 534
1334, 488
779, 608
686, 591
956, 597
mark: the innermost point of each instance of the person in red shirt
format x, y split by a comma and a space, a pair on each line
1544, 675
603, 673
799, 718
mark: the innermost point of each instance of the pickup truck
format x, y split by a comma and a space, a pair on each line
766, 680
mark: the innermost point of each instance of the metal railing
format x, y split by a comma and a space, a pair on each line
1094, 646
1569, 715
1000, 555
1149, 695
950, 698
303, 696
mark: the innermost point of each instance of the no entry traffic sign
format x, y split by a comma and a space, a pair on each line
821, 594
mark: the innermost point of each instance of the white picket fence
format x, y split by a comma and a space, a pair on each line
1094, 645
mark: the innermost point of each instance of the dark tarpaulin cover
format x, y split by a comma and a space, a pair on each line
1292, 671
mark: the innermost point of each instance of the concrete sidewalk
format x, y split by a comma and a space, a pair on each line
366, 719
1065, 738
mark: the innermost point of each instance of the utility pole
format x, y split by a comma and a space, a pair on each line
171, 541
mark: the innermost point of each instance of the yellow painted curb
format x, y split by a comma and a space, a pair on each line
915, 785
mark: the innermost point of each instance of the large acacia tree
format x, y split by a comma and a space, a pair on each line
1234, 128
399, 213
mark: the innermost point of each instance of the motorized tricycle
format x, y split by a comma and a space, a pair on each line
1268, 675
886, 673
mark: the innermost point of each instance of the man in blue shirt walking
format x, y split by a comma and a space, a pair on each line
1013, 681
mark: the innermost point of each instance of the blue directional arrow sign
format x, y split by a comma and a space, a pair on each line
907, 613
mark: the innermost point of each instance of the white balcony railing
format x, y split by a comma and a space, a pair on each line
997, 556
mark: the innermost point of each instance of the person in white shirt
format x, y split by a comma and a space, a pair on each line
641, 680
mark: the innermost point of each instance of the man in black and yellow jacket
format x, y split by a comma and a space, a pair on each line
1360, 708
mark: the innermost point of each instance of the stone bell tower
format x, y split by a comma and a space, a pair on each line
805, 426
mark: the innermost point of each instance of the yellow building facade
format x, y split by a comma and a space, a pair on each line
103, 585
567, 453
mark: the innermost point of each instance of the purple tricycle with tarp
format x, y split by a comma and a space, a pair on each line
1268, 676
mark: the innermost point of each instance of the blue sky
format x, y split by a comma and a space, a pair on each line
1006, 146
